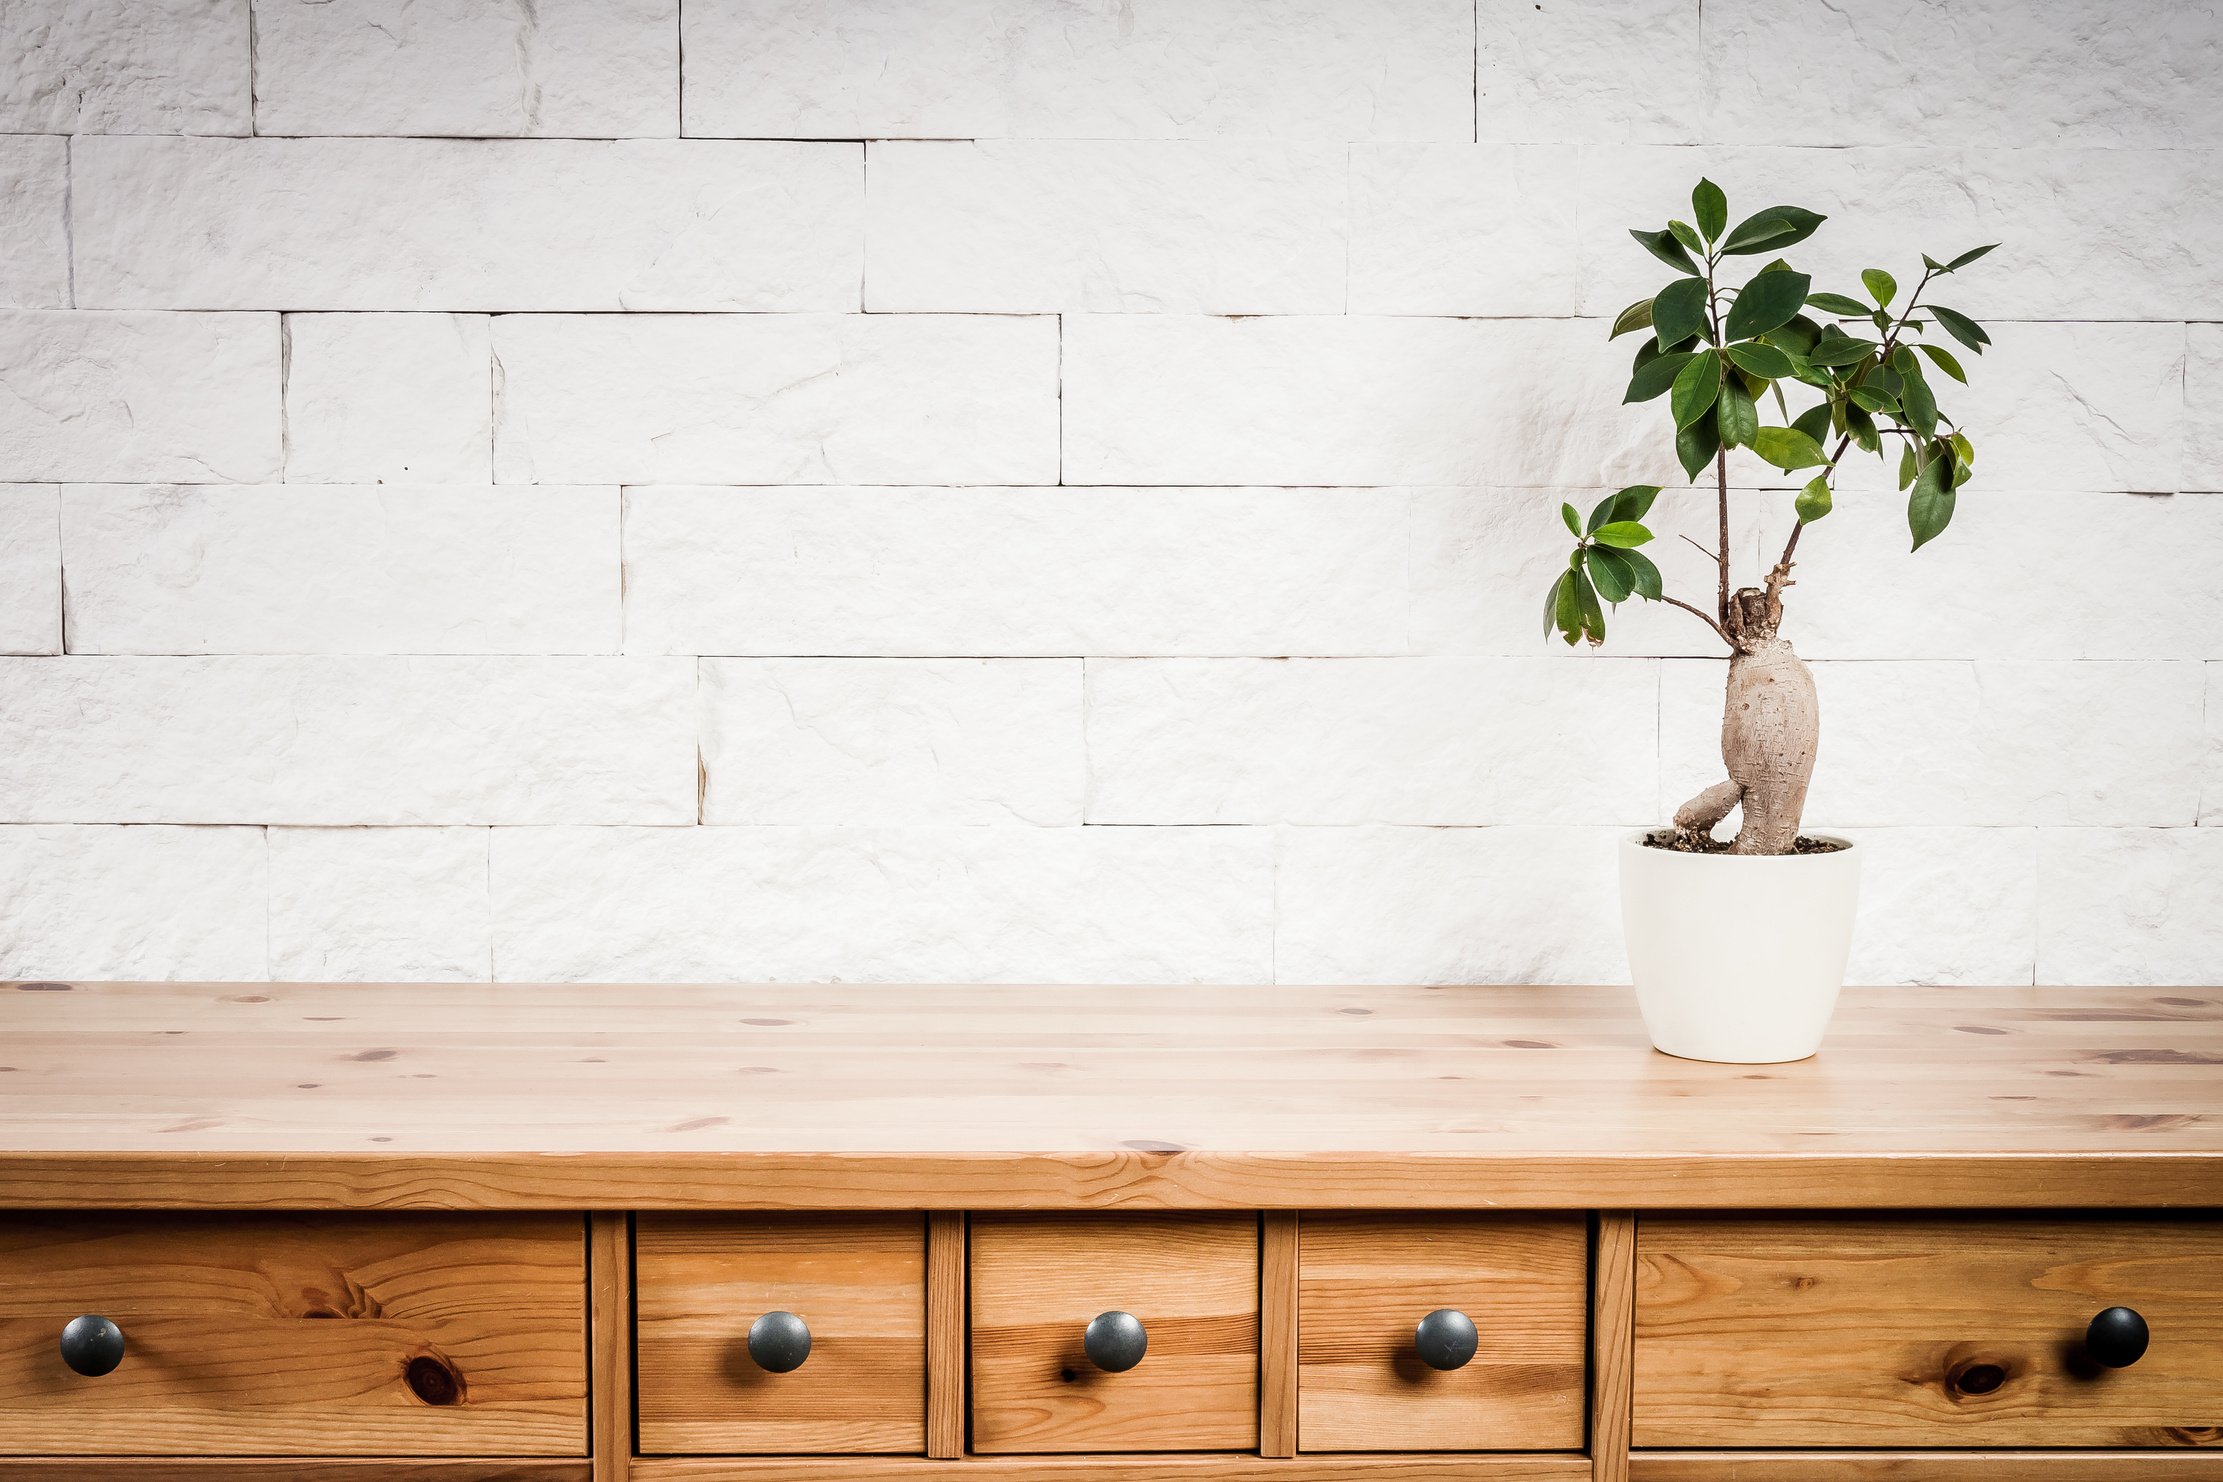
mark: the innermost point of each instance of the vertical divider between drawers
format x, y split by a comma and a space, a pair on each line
1277, 1334
610, 1336
946, 1316
1612, 1345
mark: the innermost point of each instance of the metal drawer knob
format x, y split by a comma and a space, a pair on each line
779, 1342
1445, 1339
92, 1346
2116, 1338
1115, 1342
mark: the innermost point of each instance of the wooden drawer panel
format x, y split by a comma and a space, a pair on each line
1819, 1331
858, 1281
1037, 1281
1364, 1283
289, 1335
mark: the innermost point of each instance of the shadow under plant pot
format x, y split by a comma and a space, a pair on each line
1738, 957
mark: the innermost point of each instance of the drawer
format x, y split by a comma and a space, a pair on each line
1365, 1282
1038, 1282
1924, 1332
292, 1335
857, 1282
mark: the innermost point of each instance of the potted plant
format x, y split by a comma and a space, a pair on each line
1738, 947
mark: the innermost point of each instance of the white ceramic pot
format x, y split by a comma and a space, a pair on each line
1738, 957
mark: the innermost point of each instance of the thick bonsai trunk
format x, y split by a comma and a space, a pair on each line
1770, 726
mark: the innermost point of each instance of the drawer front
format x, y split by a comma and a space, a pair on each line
1930, 1332
858, 1282
1037, 1283
292, 1335
1365, 1282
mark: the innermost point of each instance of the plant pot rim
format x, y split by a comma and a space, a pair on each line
1845, 846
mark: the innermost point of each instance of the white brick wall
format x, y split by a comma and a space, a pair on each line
1002, 489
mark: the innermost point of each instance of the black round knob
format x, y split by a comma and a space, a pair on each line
1115, 1341
92, 1346
1445, 1339
2116, 1338
779, 1342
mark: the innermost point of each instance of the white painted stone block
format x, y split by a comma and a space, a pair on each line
1149, 69
486, 224
1448, 905
2211, 770
915, 905
1015, 571
2130, 906
1352, 741
347, 740
2203, 395
187, 397
1483, 560
1331, 400
2017, 575
1106, 226
892, 741
1487, 230
758, 399
133, 903
333, 569
2007, 72
379, 905
125, 67
30, 569
551, 68
1945, 905
1606, 70
389, 398
34, 222
1994, 743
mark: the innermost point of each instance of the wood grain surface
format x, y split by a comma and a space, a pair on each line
1366, 1280
1219, 1467
845, 1096
410, 1335
291, 1469
945, 1334
1038, 1280
859, 1281
1910, 1331
1277, 1334
1612, 1343
1927, 1466
610, 1344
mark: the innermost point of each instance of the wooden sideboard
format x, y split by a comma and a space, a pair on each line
477, 1233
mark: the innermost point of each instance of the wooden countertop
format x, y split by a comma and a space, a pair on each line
281, 1095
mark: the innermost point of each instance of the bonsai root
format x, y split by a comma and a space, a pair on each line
1770, 727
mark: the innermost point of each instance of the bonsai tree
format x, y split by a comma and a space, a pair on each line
1724, 357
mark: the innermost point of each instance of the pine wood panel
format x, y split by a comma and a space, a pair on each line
945, 1335
610, 1343
1834, 1331
861, 1096
408, 1335
1612, 1345
1038, 1280
1278, 1331
859, 1282
1928, 1466
292, 1469
1366, 1280
1219, 1467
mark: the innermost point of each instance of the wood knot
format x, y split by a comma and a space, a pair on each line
433, 1380
45, 987
1978, 1378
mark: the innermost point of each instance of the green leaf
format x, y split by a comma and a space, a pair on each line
1686, 234
1679, 311
1765, 302
1574, 525
1909, 466
1656, 375
1622, 533
1837, 303
1930, 506
1863, 430
1777, 226
1880, 285
1840, 350
1883, 378
1647, 575
1632, 503
1813, 501
1567, 609
1961, 328
1761, 360
1696, 386
1663, 246
1945, 362
1711, 208
1920, 405
1696, 445
1872, 399
1814, 422
1797, 337
1969, 256
1932, 263
1788, 448
1964, 452
1610, 572
1738, 417
1636, 316
1593, 616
